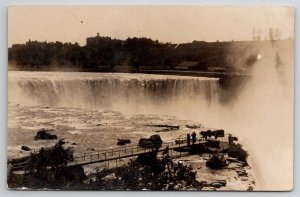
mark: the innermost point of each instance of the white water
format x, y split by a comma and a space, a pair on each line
129, 93
262, 114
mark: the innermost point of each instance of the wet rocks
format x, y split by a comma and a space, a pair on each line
26, 148
165, 127
45, 134
193, 126
216, 184
145, 143
123, 141
242, 173
154, 141
236, 151
222, 182
216, 162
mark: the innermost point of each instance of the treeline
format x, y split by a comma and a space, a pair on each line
132, 54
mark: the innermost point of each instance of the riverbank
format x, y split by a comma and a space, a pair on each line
88, 131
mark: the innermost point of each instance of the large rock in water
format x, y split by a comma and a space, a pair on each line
156, 140
45, 134
123, 141
26, 148
145, 143
153, 142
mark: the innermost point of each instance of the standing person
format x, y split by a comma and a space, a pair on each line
230, 140
194, 135
188, 136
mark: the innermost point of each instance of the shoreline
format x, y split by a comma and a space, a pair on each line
256, 172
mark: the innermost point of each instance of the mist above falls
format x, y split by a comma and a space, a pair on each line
185, 97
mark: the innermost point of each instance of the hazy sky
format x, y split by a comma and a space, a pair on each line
165, 23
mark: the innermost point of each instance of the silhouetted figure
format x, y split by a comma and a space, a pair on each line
166, 151
204, 134
230, 140
188, 136
209, 133
194, 137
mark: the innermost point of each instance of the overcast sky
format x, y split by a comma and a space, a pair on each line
166, 23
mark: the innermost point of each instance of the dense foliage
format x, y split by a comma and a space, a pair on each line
107, 54
150, 173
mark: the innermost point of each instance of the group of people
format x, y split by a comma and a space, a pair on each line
205, 135
191, 137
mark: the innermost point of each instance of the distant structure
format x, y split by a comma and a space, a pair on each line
99, 40
216, 69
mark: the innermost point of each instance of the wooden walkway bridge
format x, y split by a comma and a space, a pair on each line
126, 151
132, 151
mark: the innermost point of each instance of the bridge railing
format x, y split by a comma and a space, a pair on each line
126, 151
176, 141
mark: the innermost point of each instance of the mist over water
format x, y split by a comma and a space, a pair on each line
129, 93
261, 113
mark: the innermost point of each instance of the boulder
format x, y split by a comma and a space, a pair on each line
242, 173
156, 140
204, 183
222, 182
45, 134
26, 148
145, 143
216, 185
193, 126
216, 162
234, 138
153, 142
123, 141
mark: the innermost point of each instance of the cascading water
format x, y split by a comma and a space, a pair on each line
261, 114
130, 93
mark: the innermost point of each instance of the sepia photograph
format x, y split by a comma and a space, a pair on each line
175, 98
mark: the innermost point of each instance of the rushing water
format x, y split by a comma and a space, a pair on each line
262, 113
130, 93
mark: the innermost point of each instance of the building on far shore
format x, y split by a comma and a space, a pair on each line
100, 40
216, 69
186, 65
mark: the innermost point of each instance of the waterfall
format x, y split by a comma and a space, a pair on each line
134, 93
